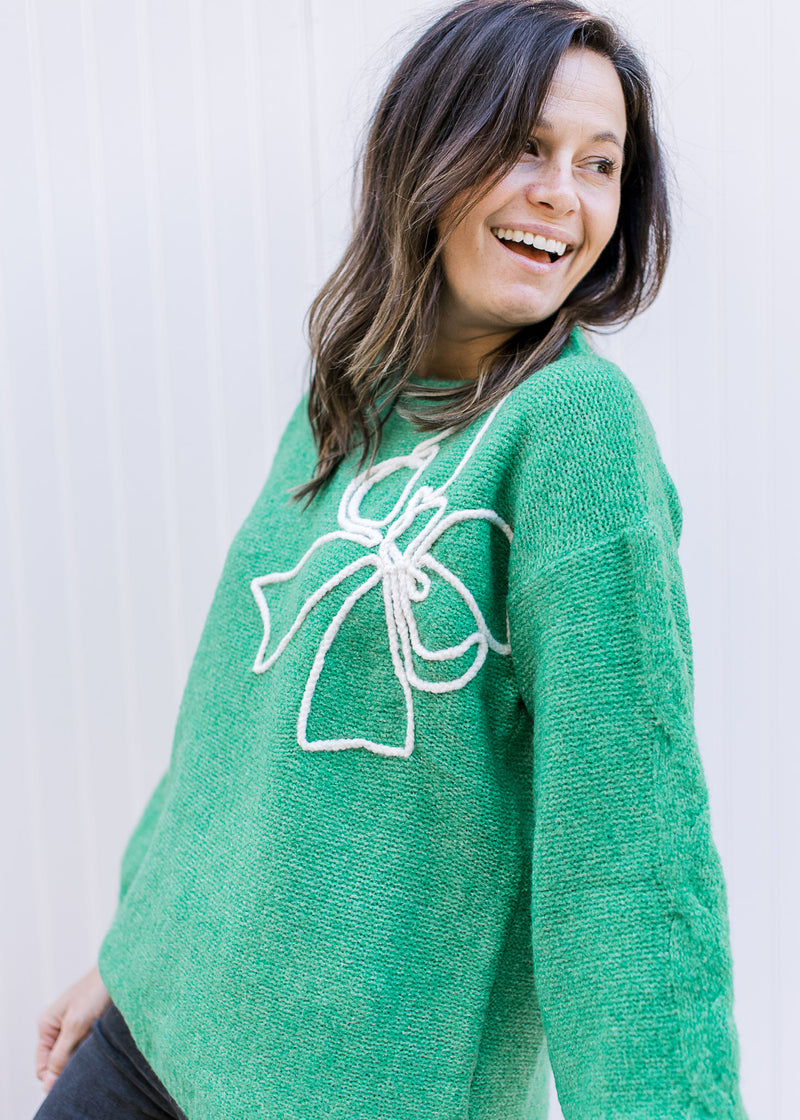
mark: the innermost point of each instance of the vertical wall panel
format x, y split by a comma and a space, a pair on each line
177, 186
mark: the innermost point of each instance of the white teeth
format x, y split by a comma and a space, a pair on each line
549, 244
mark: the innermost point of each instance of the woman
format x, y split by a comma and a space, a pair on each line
435, 811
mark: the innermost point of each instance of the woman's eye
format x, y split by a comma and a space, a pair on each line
605, 166
531, 148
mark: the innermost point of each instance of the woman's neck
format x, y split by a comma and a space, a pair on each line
456, 357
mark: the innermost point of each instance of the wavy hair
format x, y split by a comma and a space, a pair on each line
454, 117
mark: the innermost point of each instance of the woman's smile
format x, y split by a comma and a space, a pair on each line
535, 247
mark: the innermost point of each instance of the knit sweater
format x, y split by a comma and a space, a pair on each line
435, 818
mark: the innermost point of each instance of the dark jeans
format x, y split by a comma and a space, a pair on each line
107, 1078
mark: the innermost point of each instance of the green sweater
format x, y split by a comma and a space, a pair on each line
435, 814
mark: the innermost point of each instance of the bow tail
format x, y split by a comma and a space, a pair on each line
346, 699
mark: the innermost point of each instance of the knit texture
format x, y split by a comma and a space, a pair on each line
435, 814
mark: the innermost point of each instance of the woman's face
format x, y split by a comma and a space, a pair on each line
565, 188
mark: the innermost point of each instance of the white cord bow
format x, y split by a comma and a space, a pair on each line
405, 575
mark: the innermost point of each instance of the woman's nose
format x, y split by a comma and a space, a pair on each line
553, 186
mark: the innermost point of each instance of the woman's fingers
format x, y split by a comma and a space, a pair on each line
74, 1028
49, 1029
66, 1022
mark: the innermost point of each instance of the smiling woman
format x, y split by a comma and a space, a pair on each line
502, 265
527, 116
435, 819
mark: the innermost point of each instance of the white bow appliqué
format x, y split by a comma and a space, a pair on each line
405, 575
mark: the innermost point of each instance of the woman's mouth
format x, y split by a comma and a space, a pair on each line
533, 247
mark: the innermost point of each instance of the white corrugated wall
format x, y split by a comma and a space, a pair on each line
174, 186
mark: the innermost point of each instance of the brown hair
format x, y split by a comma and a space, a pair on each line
455, 116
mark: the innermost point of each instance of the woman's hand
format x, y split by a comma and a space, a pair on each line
66, 1022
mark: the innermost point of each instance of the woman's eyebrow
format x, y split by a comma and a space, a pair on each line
547, 126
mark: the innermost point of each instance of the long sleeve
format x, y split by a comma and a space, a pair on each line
141, 836
630, 935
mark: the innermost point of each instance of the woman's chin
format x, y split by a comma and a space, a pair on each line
524, 314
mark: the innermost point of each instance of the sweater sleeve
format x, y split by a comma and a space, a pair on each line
141, 836
139, 841
630, 935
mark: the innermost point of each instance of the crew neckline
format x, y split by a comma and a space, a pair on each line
439, 380
576, 343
